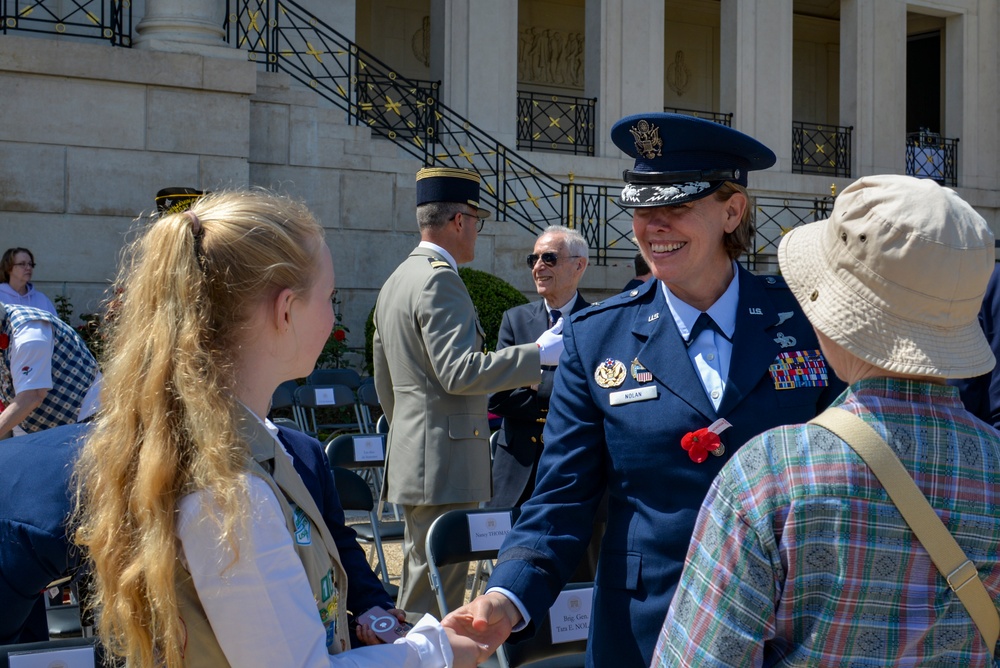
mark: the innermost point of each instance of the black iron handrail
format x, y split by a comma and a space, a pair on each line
775, 217
109, 20
560, 123
821, 149
283, 36
715, 116
931, 156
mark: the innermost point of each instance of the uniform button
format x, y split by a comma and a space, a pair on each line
715, 394
710, 357
475, 432
534, 440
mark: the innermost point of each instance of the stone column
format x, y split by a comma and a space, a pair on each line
756, 72
971, 95
474, 55
873, 83
186, 26
624, 62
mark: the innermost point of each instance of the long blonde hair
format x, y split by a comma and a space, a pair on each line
168, 424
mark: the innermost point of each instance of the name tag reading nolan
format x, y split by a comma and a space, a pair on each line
628, 396
369, 448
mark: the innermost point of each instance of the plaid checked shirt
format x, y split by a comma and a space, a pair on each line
799, 557
73, 369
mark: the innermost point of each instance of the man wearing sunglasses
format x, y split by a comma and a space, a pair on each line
556, 264
433, 377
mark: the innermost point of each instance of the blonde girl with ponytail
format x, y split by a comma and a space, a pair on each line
204, 550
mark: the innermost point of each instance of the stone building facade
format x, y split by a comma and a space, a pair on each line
89, 132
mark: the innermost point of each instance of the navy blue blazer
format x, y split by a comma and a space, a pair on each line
35, 500
523, 409
981, 395
633, 451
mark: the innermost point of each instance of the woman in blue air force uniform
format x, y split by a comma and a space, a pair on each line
641, 372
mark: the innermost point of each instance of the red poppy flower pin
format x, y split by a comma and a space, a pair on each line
702, 442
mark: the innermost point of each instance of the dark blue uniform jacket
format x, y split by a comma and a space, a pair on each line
633, 450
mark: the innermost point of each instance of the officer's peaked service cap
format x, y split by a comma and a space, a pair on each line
447, 184
681, 158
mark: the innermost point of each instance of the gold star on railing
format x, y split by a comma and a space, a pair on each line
554, 122
821, 148
532, 198
311, 51
392, 106
254, 21
465, 154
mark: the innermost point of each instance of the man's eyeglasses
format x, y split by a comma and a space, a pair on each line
550, 259
25, 264
479, 221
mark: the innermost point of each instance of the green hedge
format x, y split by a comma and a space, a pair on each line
490, 295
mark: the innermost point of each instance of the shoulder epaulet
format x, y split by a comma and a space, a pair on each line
774, 282
604, 304
438, 264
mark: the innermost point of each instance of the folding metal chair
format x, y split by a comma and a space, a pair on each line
283, 401
367, 400
348, 377
366, 452
355, 494
310, 398
462, 536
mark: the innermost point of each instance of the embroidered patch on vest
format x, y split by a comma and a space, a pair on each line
303, 527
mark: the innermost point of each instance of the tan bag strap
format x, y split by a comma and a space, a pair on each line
958, 571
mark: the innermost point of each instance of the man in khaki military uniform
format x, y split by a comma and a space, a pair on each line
433, 378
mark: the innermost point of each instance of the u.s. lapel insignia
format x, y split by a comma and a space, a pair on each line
639, 372
611, 373
785, 341
655, 316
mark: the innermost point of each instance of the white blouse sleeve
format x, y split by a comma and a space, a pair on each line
261, 607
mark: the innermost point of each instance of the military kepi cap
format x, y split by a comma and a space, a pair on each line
447, 184
681, 158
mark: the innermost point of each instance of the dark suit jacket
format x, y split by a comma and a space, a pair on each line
981, 395
35, 500
633, 452
364, 589
523, 409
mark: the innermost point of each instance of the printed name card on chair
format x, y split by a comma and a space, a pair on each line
325, 396
569, 616
487, 530
70, 657
369, 448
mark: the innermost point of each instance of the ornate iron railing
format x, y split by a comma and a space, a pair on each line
606, 225
559, 123
110, 20
821, 149
715, 116
775, 217
931, 156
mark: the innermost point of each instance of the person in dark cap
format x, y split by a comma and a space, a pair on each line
433, 378
657, 388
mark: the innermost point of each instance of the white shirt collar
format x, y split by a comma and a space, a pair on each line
434, 247
723, 311
565, 308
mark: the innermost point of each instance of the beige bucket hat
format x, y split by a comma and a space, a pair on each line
896, 276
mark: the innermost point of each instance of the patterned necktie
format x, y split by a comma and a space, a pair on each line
554, 316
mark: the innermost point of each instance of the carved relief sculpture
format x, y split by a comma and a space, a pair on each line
678, 74
421, 42
547, 56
